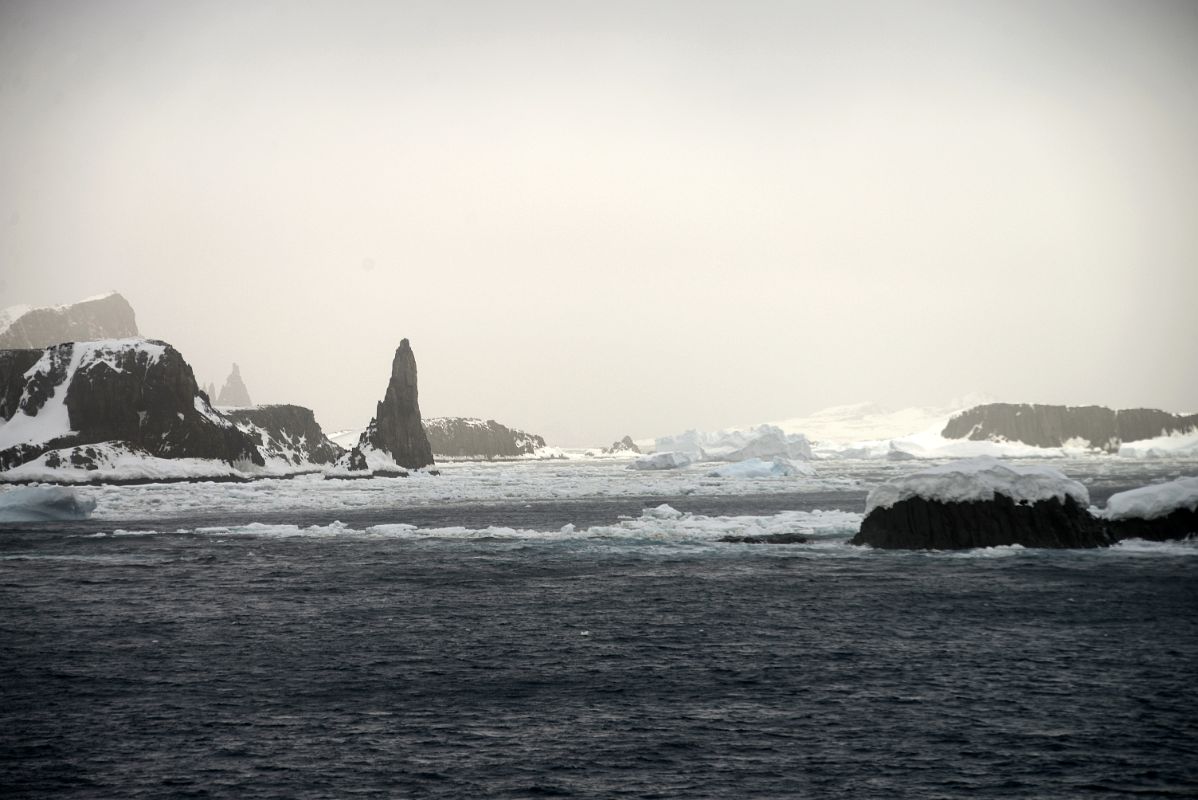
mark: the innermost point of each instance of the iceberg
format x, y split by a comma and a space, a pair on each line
759, 468
666, 460
762, 441
44, 504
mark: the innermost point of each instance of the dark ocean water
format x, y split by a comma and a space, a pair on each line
203, 665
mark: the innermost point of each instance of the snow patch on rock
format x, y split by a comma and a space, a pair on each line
976, 479
118, 462
1152, 502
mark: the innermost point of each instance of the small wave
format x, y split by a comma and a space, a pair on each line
1185, 547
999, 551
661, 524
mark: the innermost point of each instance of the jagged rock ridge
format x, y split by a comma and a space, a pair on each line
467, 437
288, 433
138, 392
625, 445
105, 317
395, 437
234, 393
1053, 426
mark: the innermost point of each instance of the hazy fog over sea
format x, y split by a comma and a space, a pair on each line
621, 218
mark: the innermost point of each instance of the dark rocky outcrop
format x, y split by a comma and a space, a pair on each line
1052, 426
396, 430
466, 437
138, 392
286, 432
768, 538
1157, 512
625, 445
106, 317
1182, 523
234, 393
917, 523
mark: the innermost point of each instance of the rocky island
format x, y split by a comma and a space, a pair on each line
1093, 427
468, 437
980, 502
97, 406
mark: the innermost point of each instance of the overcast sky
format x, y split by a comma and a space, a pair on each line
602, 218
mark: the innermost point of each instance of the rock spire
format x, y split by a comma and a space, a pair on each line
234, 393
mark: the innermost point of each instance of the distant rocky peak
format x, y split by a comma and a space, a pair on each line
107, 316
234, 393
625, 445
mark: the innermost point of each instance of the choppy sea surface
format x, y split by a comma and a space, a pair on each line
588, 646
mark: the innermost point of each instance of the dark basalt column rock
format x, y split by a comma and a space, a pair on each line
920, 524
396, 426
292, 426
1180, 524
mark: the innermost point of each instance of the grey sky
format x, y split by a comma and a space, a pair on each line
594, 219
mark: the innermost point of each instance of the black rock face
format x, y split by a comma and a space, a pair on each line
1179, 524
152, 404
463, 437
920, 524
625, 445
287, 432
13, 366
1053, 426
108, 317
356, 461
234, 393
396, 427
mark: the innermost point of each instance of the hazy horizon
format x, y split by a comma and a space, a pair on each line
627, 218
